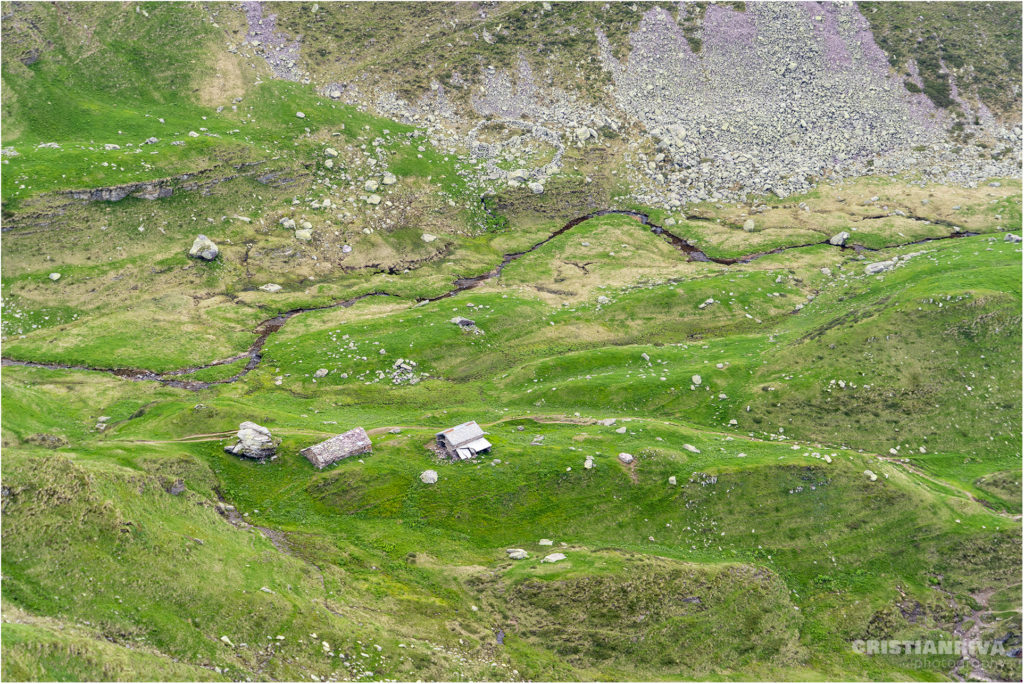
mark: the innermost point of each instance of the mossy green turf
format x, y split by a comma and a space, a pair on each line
425, 555
768, 557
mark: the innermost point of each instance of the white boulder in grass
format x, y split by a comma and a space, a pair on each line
254, 441
203, 248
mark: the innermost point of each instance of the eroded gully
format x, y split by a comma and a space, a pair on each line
265, 329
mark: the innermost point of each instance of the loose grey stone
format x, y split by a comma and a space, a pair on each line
203, 248
254, 441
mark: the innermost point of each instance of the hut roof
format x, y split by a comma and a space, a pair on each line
351, 443
462, 435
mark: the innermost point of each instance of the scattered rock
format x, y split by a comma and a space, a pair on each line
1010, 237
56, 276
839, 239
749, 225
880, 266
203, 248
553, 558
517, 554
672, 479
300, 115
626, 458
870, 475
389, 179
373, 199
692, 449
546, 542
427, 237
428, 476
254, 441
271, 287
535, 188
330, 152
304, 234
320, 373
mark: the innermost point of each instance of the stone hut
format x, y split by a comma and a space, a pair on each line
352, 443
462, 442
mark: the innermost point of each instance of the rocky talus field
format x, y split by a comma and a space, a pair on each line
511, 341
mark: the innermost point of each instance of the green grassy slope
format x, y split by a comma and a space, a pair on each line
141, 550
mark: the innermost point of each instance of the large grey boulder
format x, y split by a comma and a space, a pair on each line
203, 248
553, 558
839, 239
254, 441
428, 476
1010, 237
517, 554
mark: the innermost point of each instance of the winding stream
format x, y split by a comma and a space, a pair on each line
265, 329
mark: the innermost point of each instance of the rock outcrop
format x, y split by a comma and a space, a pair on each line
254, 441
204, 248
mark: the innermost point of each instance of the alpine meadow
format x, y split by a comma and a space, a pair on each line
509, 341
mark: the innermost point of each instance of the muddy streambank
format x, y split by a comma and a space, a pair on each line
265, 329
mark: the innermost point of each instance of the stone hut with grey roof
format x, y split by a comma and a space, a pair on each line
351, 443
462, 442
